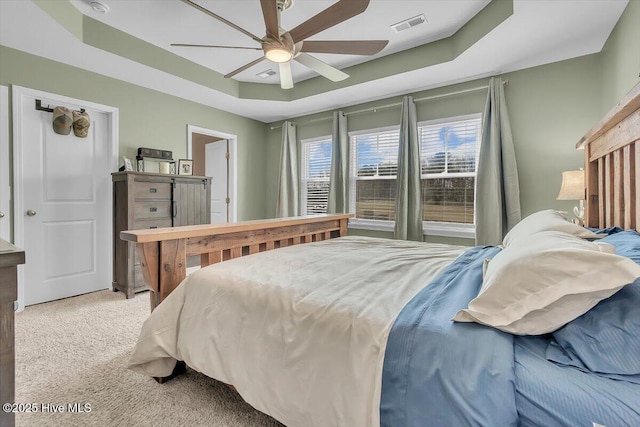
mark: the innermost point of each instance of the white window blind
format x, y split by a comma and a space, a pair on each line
316, 170
449, 158
374, 167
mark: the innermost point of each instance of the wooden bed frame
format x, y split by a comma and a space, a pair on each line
163, 252
612, 173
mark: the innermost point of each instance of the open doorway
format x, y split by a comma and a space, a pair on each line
214, 155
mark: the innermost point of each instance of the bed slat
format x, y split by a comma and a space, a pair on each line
210, 258
618, 194
629, 189
608, 190
592, 216
602, 198
236, 252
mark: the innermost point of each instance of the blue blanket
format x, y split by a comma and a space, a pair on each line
554, 395
440, 373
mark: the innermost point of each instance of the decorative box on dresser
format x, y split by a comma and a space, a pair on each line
10, 258
150, 200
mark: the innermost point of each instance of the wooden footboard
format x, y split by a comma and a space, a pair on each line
163, 252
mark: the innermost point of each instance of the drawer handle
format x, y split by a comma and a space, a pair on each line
153, 209
154, 226
153, 190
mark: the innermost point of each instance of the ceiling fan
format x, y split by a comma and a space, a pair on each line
282, 46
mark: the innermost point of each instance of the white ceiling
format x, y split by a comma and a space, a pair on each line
539, 32
167, 22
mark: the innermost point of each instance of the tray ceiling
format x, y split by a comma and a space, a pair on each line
461, 41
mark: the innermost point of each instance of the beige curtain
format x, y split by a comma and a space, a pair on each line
288, 201
497, 187
339, 181
408, 224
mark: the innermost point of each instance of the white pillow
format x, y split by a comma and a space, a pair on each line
536, 287
547, 220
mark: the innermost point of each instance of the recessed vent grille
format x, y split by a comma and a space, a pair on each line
409, 23
266, 74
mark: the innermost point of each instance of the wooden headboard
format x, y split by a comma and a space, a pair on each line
612, 169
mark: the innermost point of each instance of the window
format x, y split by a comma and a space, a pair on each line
449, 156
449, 151
374, 164
316, 169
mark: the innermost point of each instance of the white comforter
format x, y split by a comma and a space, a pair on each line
299, 331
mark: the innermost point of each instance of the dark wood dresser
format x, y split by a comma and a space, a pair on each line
150, 200
10, 258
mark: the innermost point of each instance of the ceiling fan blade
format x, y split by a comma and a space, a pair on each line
286, 78
221, 19
270, 13
213, 45
348, 47
334, 14
321, 68
244, 67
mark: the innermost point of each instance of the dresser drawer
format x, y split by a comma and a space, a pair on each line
152, 209
152, 190
152, 223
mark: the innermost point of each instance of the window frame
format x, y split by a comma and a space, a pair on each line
360, 223
432, 228
303, 168
454, 229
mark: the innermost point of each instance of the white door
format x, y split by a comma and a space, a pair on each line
5, 189
65, 203
216, 166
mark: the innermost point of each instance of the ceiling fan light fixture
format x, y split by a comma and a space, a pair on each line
278, 54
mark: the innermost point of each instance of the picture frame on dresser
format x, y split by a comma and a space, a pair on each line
128, 166
185, 167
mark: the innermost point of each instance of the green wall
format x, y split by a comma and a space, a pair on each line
621, 57
549, 107
149, 118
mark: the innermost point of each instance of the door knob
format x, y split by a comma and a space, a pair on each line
1, 214
31, 212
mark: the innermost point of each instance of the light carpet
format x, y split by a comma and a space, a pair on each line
75, 350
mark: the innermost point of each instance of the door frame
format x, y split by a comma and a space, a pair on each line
233, 177
5, 184
18, 97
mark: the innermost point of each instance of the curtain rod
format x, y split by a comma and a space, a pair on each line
395, 104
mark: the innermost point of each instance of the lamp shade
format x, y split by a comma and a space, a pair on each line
572, 187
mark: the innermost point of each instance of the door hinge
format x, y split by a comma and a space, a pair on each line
227, 155
227, 200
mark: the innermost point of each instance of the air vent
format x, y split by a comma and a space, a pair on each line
266, 74
409, 23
